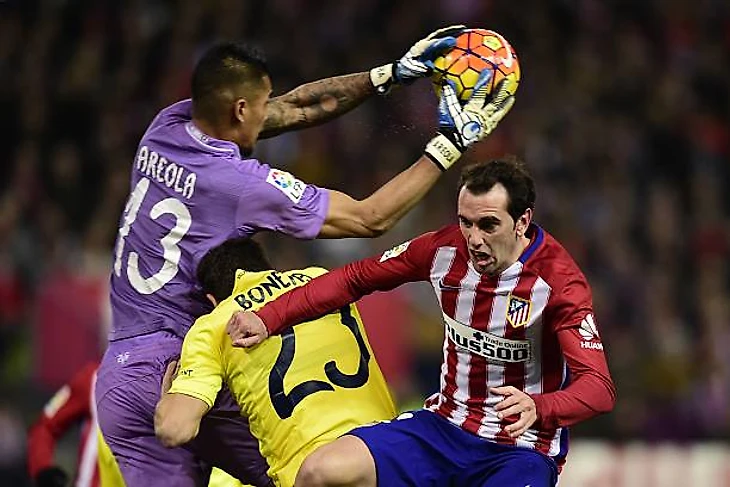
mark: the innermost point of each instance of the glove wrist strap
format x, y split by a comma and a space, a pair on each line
382, 78
442, 152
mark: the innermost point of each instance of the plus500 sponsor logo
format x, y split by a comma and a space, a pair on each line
492, 347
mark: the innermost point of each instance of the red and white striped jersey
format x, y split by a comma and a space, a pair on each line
530, 327
73, 403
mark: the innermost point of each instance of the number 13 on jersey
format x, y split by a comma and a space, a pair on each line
169, 243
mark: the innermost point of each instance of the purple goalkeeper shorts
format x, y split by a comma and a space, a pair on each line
127, 391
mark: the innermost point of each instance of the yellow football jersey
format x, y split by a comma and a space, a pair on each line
300, 390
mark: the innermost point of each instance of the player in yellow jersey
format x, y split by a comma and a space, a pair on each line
299, 390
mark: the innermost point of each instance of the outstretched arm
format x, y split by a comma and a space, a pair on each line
315, 103
407, 262
320, 101
373, 216
459, 128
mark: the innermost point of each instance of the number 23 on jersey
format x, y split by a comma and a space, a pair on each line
354, 348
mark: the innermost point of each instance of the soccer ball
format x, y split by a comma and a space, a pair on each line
475, 51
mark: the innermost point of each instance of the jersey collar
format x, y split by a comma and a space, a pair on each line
209, 143
247, 279
536, 238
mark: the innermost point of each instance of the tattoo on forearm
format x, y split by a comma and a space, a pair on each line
317, 102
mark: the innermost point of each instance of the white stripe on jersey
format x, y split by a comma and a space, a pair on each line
442, 262
533, 369
463, 314
497, 321
90, 449
555, 444
490, 427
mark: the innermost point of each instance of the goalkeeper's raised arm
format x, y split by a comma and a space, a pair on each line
319, 101
459, 128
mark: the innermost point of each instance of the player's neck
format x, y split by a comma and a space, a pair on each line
212, 130
522, 243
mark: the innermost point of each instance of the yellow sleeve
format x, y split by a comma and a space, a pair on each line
201, 367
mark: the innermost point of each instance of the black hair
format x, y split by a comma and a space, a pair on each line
225, 67
508, 171
217, 269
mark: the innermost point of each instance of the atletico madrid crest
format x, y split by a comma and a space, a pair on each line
518, 311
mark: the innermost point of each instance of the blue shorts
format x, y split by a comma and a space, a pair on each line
421, 449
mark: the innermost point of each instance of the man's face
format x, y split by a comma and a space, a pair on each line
252, 116
493, 239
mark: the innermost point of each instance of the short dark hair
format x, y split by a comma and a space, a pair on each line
511, 173
224, 67
217, 269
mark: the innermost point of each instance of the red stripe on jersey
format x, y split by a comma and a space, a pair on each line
514, 373
552, 378
478, 366
449, 298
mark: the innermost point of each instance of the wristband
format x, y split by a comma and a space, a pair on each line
382, 78
442, 152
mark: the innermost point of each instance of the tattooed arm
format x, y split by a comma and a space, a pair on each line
315, 103
320, 101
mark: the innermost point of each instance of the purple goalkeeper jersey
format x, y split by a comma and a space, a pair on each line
191, 192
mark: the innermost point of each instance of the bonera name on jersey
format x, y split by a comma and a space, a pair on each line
274, 281
159, 169
492, 347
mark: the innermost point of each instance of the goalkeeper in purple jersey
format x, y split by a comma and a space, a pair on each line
193, 186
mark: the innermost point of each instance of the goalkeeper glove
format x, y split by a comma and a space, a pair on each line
460, 127
51, 477
418, 61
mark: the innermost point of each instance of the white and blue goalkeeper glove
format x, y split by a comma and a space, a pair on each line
460, 127
418, 61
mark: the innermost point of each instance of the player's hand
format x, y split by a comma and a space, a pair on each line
461, 126
51, 477
170, 374
515, 402
418, 61
246, 329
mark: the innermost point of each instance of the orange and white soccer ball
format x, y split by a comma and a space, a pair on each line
475, 51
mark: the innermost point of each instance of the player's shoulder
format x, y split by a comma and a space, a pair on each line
552, 260
448, 236
178, 113
212, 324
426, 245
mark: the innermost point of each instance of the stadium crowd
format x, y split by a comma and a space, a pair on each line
623, 117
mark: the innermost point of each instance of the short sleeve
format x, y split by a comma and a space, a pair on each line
201, 368
276, 200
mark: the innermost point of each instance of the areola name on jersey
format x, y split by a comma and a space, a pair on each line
158, 168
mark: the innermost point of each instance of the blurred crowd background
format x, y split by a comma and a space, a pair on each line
623, 116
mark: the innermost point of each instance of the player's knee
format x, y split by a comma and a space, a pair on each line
317, 471
331, 467
310, 475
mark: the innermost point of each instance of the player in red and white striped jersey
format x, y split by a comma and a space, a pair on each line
73, 403
523, 359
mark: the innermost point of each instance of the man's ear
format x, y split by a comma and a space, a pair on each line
523, 222
212, 299
240, 107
